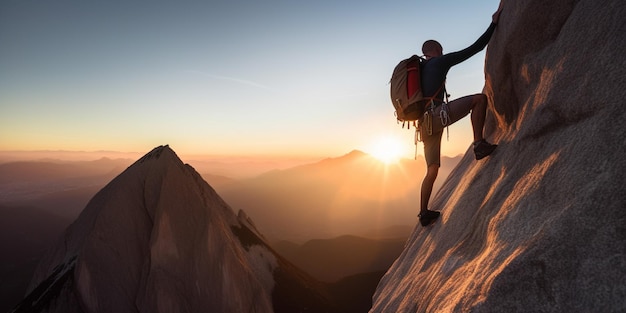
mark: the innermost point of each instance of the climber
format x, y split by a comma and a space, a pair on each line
433, 122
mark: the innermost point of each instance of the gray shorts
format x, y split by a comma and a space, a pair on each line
432, 147
457, 109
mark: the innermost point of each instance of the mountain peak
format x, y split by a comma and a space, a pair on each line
159, 238
348, 157
155, 153
356, 153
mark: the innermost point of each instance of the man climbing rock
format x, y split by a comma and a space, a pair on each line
434, 70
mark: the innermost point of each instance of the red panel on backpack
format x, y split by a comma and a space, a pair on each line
413, 79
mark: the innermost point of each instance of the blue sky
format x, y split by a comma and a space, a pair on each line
221, 77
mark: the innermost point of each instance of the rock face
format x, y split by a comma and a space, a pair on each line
539, 226
159, 239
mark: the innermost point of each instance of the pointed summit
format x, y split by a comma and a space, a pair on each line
158, 238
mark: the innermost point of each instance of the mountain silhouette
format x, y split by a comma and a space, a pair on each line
336, 258
350, 194
60, 187
25, 234
539, 225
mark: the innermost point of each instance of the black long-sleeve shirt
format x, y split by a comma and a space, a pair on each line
435, 69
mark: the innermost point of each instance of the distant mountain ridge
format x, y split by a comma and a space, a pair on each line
332, 259
24, 181
335, 196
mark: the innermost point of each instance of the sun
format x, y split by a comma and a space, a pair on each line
387, 149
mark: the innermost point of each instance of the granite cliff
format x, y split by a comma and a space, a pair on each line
539, 226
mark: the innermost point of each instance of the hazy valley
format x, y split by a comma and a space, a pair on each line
303, 210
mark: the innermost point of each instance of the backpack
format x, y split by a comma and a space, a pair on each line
409, 101
406, 90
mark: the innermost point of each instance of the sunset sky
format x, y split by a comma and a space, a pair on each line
222, 77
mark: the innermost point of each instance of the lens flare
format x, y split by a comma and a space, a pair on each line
387, 149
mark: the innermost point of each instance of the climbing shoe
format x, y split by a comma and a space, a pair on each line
428, 217
482, 149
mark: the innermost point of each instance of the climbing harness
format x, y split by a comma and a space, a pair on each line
426, 122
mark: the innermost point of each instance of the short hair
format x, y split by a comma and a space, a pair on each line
431, 46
